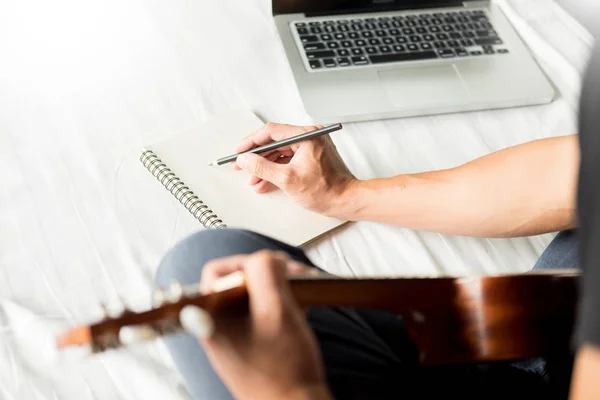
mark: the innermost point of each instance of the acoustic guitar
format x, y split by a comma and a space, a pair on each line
450, 319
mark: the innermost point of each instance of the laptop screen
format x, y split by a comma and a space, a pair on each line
317, 7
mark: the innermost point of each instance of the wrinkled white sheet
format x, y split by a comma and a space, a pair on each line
84, 85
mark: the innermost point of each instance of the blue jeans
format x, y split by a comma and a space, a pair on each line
367, 353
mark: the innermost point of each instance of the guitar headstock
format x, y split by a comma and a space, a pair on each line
163, 318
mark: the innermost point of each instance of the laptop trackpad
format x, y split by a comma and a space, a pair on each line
436, 85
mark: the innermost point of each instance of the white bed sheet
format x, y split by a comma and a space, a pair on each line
83, 86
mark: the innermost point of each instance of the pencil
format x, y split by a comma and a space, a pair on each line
282, 143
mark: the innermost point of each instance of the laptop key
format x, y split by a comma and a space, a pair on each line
384, 58
428, 37
308, 39
415, 38
360, 43
315, 23
461, 52
353, 35
421, 30
302, 31
329, 29
412, 47
385, 49
343, 62
316, 29
320, 54
453, 43
488, 50
357, 52
374, 42
408, 31
371, 50
467, 42
399, 48
367, 34
380, 33
314, 46
333, 45
439, 45
488, 33
329, 63
326, 38
395, 32
339, 36
397, 24
388, 40
476, 53
446, 53
347, 43
401, 39
362, 60
455, 35
426, 46
484, 42
300, 24
343, 52
314, 64
502, 51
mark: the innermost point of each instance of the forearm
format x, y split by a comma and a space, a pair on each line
523, 190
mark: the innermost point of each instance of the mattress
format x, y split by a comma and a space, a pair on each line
84, 86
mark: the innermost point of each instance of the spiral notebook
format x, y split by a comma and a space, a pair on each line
219, 197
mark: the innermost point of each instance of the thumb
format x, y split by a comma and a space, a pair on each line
262, 168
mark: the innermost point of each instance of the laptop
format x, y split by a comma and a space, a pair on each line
356, 60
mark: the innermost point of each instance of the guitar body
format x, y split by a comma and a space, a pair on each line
451, 320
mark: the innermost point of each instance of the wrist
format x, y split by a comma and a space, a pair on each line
310, 392
350, 201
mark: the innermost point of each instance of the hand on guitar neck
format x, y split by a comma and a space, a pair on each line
247, 352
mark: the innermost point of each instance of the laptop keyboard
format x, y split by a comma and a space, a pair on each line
357, 42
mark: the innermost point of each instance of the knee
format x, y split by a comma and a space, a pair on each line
184, 262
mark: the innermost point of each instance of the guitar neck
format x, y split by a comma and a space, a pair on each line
451, 319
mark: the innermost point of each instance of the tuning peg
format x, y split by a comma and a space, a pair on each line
175, 291
105, 312
136, 333
196, 321
123, 304
158, 298
108, 312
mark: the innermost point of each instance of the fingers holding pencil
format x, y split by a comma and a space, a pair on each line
293, 137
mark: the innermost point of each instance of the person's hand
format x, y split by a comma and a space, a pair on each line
311, 172
272, 354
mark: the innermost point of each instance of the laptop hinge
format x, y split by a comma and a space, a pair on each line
476, 4
410, 6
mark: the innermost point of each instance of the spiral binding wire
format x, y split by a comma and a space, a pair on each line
178, 188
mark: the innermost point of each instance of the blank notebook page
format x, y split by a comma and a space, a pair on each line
226, 191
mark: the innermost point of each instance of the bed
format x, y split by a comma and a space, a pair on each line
84, 86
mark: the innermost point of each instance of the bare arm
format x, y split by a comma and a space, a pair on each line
584, 385
522, 190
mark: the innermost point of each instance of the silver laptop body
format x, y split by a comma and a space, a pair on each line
419, 58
